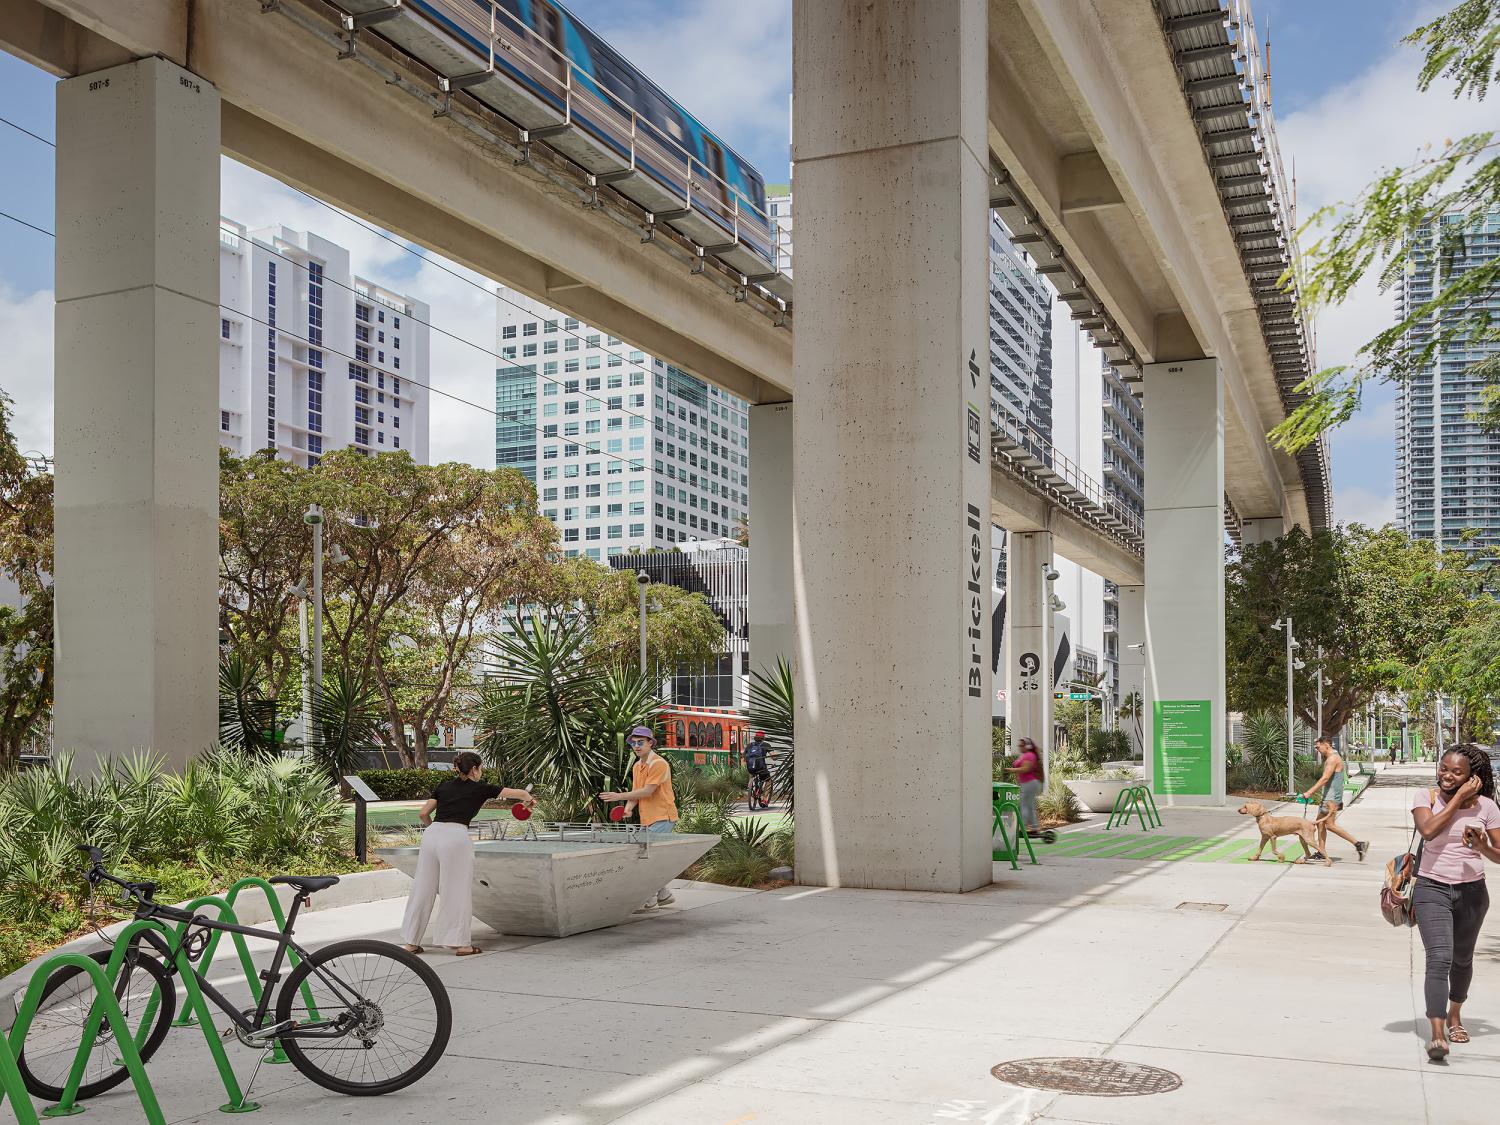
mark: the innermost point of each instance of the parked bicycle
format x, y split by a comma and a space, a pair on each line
359, 1017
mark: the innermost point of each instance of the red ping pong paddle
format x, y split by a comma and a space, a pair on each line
520, 812
617, 813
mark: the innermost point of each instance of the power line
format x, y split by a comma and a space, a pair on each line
28, 132
415, 382
24, 223
418, 320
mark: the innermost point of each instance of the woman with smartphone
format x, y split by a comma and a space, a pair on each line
1460, 828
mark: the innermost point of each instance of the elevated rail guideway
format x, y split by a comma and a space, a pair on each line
1127, 144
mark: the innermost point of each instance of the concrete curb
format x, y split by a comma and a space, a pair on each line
252, 909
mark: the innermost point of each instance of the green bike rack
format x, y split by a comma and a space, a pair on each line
105, 1007
1012, 850
237, 1102
225, 906
1135, 800
13, 1086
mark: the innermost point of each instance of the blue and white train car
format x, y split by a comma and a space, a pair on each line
541, 67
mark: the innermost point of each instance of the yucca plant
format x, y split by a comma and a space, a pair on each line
773, 709
246, 716
556, 720
347, 717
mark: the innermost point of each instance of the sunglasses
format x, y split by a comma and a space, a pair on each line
638, 741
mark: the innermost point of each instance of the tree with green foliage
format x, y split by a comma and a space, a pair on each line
681, 626
26, 657
1395, 224
1372, 599
265, 550
1463, 665
433, 555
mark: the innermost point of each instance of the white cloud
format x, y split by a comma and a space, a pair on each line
26, 328
1337, 145
1361, 505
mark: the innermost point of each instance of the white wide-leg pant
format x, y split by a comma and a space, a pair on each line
445, 870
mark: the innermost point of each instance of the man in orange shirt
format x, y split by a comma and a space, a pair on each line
651, 781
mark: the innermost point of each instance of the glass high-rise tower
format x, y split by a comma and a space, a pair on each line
1447, 468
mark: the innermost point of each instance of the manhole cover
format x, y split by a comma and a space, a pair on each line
1208, 907
1101, 1077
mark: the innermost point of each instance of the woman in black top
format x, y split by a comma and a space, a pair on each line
445, 865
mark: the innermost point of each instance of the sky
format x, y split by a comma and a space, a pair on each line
1345, 101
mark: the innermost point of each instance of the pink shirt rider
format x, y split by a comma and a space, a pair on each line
1447, 858
1028, 766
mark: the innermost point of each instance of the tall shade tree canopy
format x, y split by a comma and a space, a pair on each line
1393, 227
1373, 600
26, 668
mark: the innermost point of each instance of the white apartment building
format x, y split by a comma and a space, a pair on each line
626, 450
313, 358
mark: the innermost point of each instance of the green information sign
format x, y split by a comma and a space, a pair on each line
1184, 737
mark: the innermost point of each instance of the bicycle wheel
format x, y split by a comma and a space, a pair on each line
52, 1040
389, 1008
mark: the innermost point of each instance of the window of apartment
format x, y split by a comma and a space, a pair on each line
529, 328
570, 344
637, 530
615, 531
570, 387
591, 363
549, 367
615, 380
591, 490
593, 340
549, 473
549, 347
570, 367
638, 379
570, 492
570, 323
528, 351
592, 534
508, 332
224, 328
551, 326
380, 315
591, 383
570, 407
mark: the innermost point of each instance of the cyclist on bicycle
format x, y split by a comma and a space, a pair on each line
760, 772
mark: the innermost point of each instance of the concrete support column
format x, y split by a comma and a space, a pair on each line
1185, 579
892, 444
1132, 603
136, 412
1028, 667
771, 532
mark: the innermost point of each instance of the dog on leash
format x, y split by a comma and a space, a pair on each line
1274, 826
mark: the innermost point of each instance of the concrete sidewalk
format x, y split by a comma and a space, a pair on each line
1275, 991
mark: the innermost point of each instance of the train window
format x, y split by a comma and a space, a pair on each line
660, 112
679, 733
714, 156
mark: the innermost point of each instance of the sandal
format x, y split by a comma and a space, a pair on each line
1457, 1034
1437, 1050
467, 951
413, 949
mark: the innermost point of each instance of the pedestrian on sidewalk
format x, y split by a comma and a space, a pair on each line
651, 791
445, 864
1028, 770
1335, 772
1460, 828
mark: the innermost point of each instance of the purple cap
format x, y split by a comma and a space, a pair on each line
642, 732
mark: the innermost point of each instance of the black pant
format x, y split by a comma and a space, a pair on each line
1449, 916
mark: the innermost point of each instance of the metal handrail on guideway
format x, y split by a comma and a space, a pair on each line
511, 50
1019, 449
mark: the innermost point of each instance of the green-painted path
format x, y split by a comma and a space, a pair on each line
1163, 846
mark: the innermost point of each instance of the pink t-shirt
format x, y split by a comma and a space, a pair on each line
1447, 858
1028, 767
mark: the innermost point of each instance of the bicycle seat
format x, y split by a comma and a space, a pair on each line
307, 884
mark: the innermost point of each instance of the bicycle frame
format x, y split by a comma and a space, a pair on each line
151, 911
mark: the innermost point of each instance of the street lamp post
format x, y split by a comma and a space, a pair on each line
1320, 730
313, 517
1050, 601
641, 582
1285, 624
299, 591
